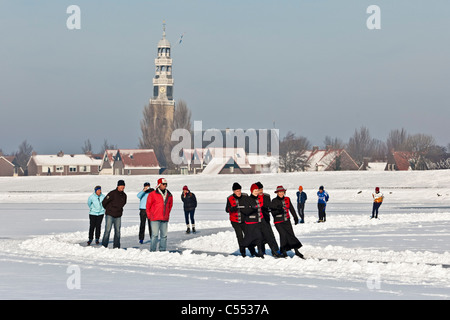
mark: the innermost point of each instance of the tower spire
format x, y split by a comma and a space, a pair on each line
164, 29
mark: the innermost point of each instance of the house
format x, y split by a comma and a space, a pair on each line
63, 164
192, 161
373, 166
226, 161
106, 167
262, 163
329, 160
129, 162
8, 168
399, 160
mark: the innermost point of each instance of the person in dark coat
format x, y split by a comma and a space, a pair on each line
233, 207
253, 217
282, 209
113, 203
189, 205
143, 195
269, 237
301, 199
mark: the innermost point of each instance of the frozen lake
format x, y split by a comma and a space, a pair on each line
403, 255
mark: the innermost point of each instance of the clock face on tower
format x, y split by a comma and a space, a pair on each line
162, 89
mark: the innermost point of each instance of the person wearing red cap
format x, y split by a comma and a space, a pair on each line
377, 201
252, 211
267, 231
189, 205
281, 206
159, 205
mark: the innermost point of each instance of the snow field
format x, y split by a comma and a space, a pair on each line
330, 261
406, 252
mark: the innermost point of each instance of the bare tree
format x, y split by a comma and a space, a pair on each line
23, 155
419, 143
423, 149
425, 154
156, 131
182, 117
157, 128
87, 148
107, 146
379, 150
360, 145
397, 140
334, 143
292, 157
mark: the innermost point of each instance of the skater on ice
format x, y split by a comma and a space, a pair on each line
113, 203
323, 198
378, 198
233, 207
301, 199
269, 237
159, 206
189, 205
281, 206
96, 213
253, 217
142, 196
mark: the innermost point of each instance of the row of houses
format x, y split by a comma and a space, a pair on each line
235, 160
118, 162
194, 161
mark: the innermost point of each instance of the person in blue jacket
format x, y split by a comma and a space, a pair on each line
322, 203
301, 199
143, 195
96, 214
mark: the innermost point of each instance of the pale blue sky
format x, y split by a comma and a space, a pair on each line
313, 67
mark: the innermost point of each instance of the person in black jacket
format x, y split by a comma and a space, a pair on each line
269, 237
252, 211
280, 207
142, 196
189, 205
114, 202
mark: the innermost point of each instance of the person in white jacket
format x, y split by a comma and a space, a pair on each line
96, 214
378, 198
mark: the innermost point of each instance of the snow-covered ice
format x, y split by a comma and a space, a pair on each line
403, 255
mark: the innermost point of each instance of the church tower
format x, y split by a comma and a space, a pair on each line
162, 98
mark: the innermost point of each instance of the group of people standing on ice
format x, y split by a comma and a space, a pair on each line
250, 219
250, 215
155, 206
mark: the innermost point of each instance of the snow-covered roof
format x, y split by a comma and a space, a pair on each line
193, 156
254, 158
238, 155
138, 159
320, 160
376, 166
216, 165
109, 155
65, 160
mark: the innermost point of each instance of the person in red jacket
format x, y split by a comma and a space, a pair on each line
233, 207
159, 205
